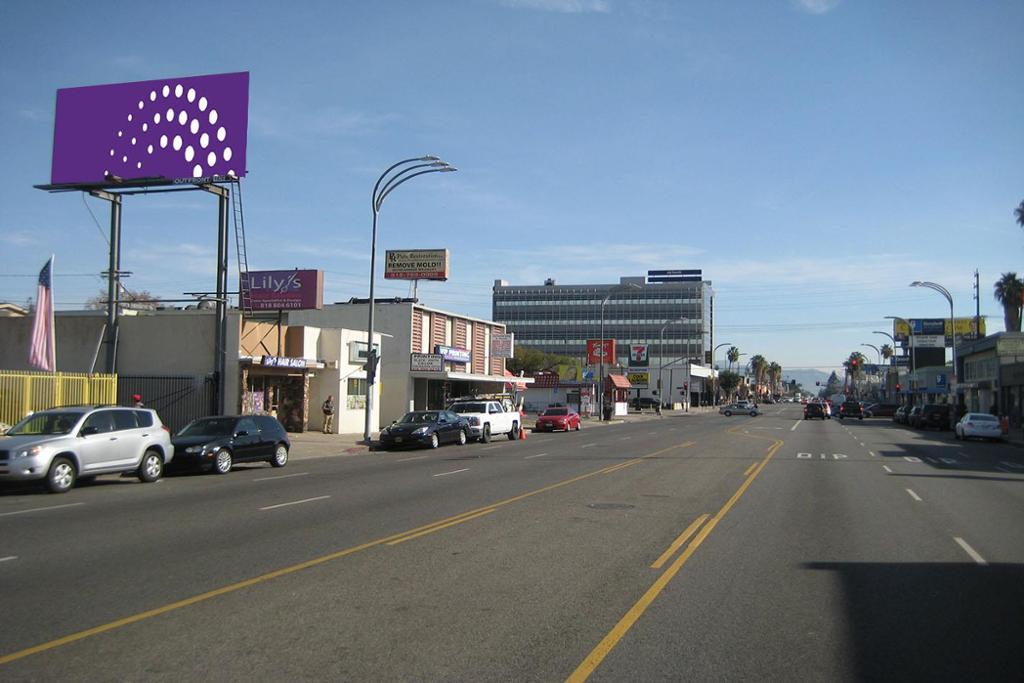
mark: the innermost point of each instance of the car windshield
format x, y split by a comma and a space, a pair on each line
469, 408
46, 424
982, 417
556, 411
216, 426
418, 418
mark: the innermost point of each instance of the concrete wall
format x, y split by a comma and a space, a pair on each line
149, 343
333, 348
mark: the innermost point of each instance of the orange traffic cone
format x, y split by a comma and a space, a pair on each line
522, 434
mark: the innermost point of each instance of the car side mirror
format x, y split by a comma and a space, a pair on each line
89, 431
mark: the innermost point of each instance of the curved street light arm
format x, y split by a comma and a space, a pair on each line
391, 187
428, 157
395, 179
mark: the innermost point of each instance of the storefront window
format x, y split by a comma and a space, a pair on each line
355, 398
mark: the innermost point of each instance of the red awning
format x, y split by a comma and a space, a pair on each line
545, 380
619, 381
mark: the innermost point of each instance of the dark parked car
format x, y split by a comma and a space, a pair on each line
934, 416
643, 402
852, 409
217, 443
899, 416
881, 409
913, 415
429, 428
812, 410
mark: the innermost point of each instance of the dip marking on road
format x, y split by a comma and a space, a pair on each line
54, 507
283, 476
886, 468
417, 457
914, 495
539, 455
8, 558
970, 551
294, 502
445, 474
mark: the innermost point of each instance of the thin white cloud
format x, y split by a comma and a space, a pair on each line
19, 238
561, 6
816, 6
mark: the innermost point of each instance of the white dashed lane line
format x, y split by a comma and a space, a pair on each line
445, 474
418, 457
539, 455
970, 551
54, 507
914, 495
490, 448
283, 476
886, 468
8, 558
588, 445
294, 502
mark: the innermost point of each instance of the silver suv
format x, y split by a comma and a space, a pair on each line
62, 445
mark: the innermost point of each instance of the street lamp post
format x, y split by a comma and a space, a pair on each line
877, 351
952, 322
893, 350
600, 383
385, 185
713, 367
661, 358
910, 336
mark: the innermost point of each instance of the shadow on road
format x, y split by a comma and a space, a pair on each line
933, 622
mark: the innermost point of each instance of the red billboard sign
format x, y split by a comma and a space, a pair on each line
598, 349
286, 290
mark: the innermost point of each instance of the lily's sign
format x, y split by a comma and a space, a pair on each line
286, 290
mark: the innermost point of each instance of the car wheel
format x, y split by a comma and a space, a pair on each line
462, 437
579, 425
223, 462
514, 432
728, 413
151, 468
485, 434
434, 441
61, 477
753, 413
280, 458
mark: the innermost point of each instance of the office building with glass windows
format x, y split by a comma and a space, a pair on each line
636, 311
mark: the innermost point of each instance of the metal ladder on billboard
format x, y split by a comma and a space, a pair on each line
244, 298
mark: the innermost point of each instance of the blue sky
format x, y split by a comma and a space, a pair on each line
812, 157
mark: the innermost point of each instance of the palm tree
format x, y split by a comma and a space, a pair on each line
732, 355
1019, 212
855, 367
887, 351
758, 365
774, 374
1009, 292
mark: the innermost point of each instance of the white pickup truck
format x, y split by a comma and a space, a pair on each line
488, 417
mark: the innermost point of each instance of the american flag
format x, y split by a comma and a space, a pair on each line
43, 353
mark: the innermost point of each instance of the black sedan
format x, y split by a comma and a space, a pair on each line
429, 428
217, 443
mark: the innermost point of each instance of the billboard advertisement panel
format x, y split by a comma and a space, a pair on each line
502, 345
639, 379
172, 128
600, 351
286, 290
416, 264
638, 355
966, 328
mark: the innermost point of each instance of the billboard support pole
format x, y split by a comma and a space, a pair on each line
113, 275
220, 348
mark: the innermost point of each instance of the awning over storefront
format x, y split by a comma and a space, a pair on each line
619, 381
452, 376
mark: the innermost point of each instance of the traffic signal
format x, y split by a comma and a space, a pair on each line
818, 383
898, 386
853, 362
686, 385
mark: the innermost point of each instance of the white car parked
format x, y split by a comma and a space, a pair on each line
979, 426
488, 417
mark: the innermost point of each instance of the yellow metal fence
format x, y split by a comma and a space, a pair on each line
22, 392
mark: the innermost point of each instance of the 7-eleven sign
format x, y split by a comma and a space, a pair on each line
638, 355
601, 351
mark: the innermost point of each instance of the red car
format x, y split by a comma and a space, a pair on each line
557, 418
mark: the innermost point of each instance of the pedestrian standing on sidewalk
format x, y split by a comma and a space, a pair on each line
137, 399
328, 409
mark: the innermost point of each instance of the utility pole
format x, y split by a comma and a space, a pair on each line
977, 307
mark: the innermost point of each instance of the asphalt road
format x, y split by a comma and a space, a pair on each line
686, 547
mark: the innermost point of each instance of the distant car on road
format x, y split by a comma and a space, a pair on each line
643, 402
557, 418
978, 426
429, 428
851, 409
739, 409
64, 445
813, 410
934, 415
899, 416
217, 443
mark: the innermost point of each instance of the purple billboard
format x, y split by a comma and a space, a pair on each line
170, 129
286, 290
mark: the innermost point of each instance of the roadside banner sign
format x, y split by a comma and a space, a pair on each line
639, 379
426, 362
503, 344
600, 350
638, 355
416, 264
